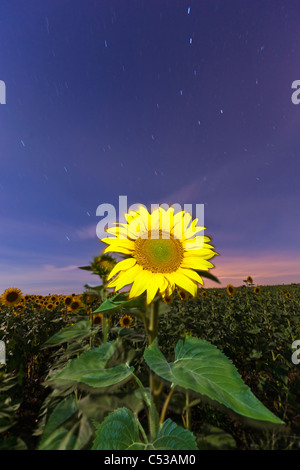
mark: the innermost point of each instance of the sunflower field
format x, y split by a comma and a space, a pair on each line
169, 365
253, 325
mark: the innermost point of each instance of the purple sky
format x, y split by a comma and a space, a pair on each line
184, 102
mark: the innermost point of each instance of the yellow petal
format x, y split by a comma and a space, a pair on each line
124, 278
153, 287
196, 263
140, 283
166, 219
123, 243
145, 220
196, 243
120, 232
182, 281
192, 230
121, 266
191, 274
204, 253
117, 249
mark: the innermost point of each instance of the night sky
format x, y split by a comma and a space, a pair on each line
184, 102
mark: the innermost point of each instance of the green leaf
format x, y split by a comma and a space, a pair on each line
120, 300
86, 268
208, 275
61, 413
80, 329
54, 440
173, 437
203, 368
91, 289
89, 368
215, 439
154, 419
118, 431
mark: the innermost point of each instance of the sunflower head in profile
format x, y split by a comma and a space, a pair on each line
11, 296
125, 321
103, 264
162, 252
230, 289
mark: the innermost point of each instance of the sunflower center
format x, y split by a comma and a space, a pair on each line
12, 296
159, 255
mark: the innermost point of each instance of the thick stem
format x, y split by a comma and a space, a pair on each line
153, 326
155, 387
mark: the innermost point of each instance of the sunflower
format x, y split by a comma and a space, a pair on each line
49, 306
230, 289
97, 319
11, 296
168, 299
257, 290
68, 300
103, 264
75, 305
250, 280
183, 294
19, 310
125, 321
162, 253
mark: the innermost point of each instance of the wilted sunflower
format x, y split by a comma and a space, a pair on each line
257, 290
125, 321
162, 251
11, 296
230, 289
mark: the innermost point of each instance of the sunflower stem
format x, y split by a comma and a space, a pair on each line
153, 327
188, 411
155, 386
165, 406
